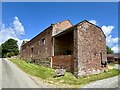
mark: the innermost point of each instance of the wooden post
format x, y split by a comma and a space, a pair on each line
51, 62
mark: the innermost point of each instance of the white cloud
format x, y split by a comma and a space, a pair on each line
111, 41
93, 22
18, 27
107, 30
116, 48
15, 30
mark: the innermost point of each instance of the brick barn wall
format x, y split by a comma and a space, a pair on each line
61, 26
89, 48
90, 43
63, 61
40, 50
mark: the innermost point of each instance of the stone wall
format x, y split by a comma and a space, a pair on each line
62, 62
39, 47
43, 50
60, 26
43, 62
89, 49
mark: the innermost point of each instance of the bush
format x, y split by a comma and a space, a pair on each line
10, 54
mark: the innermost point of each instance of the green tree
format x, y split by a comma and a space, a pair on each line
109, 50
10, 48
0, 51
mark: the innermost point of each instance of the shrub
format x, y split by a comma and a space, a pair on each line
10, 54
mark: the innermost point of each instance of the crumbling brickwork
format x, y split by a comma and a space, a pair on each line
61, 26
90, 49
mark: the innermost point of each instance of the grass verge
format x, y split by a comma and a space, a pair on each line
48, 73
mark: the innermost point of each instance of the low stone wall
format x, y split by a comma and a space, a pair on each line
56, 62
41, 61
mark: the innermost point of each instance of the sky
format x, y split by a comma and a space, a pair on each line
24, 20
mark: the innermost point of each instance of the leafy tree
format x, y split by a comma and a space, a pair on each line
109, 50
10, 48
0, 51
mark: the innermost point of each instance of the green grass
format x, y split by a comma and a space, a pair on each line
48, 73
111, 64
33, 69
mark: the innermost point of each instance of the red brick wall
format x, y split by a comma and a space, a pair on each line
39, 50
60, 26
90, 44
63, 61
43, 51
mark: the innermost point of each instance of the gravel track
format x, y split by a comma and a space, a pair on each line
113, 82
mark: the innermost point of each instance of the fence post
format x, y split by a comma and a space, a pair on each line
51, 61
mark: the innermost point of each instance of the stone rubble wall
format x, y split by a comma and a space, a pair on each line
90, 44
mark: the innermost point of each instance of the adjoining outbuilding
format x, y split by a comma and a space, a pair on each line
80, 48
114, 58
